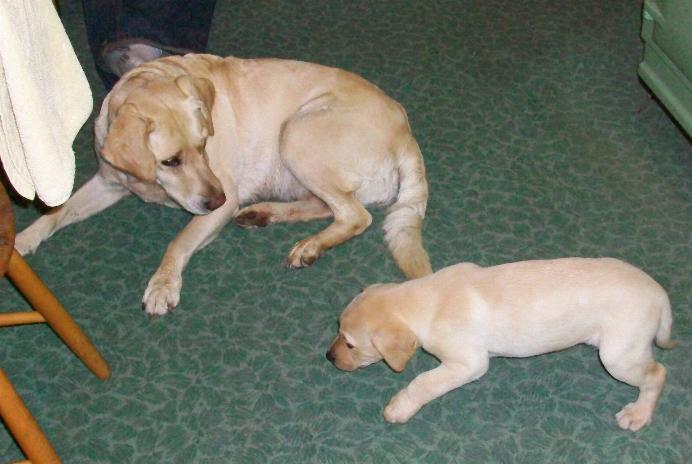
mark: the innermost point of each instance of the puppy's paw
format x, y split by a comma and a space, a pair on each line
400, 408
162, 294
634, 417
26, 242
250, 217
304, 253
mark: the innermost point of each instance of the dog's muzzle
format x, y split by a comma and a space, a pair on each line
215, 202
330, 357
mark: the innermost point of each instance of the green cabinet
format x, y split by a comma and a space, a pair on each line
667, 65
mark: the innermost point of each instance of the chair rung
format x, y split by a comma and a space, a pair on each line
20, 318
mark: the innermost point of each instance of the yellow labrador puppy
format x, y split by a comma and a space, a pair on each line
209, 134
466, 314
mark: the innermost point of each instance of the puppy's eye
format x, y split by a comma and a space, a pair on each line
172, 162
349, 346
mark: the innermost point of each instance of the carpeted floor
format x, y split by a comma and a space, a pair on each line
540, 142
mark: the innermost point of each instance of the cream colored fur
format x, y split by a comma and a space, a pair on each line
210, 134
466, 314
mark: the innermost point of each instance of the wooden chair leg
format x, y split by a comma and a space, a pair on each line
43, 301
23, 426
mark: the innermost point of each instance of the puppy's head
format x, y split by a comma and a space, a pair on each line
159, 126
370, 330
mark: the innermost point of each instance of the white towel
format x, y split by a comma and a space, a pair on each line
44, 100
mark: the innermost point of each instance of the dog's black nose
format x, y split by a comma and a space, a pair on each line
215, 202
330, 356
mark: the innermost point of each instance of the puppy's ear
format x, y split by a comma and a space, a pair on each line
395, 342
201, 92
126, 147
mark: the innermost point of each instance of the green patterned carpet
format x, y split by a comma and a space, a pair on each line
539, 141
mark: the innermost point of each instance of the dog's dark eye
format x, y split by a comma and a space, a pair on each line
349, 346
172, 162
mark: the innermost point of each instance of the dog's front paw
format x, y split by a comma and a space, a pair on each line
26, 242
162, 294
400, 408
634, 416
304, 253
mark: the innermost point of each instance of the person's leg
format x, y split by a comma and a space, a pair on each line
157, 27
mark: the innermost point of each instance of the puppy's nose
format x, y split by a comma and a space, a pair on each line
330, 356
215, 202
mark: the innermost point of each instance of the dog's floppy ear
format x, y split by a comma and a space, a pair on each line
395, 342
109, 108
201, 92
124, 87
126, 144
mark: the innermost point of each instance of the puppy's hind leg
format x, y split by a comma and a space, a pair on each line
639, 369
266, 213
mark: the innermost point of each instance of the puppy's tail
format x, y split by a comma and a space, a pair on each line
665, 325
404, 222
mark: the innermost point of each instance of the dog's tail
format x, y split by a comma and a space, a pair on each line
665, 325
404, 222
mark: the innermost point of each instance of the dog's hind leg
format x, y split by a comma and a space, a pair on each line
266, 213
350, 219
637, 368
326, 152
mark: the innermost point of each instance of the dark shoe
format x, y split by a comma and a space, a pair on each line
122, 59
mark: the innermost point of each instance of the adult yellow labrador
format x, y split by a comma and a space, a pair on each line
208, 134
466, 314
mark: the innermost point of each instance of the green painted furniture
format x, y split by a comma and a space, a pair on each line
667, 65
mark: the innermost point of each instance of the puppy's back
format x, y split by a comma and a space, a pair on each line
546, 305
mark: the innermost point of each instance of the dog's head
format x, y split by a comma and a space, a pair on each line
370, 330
157, 132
